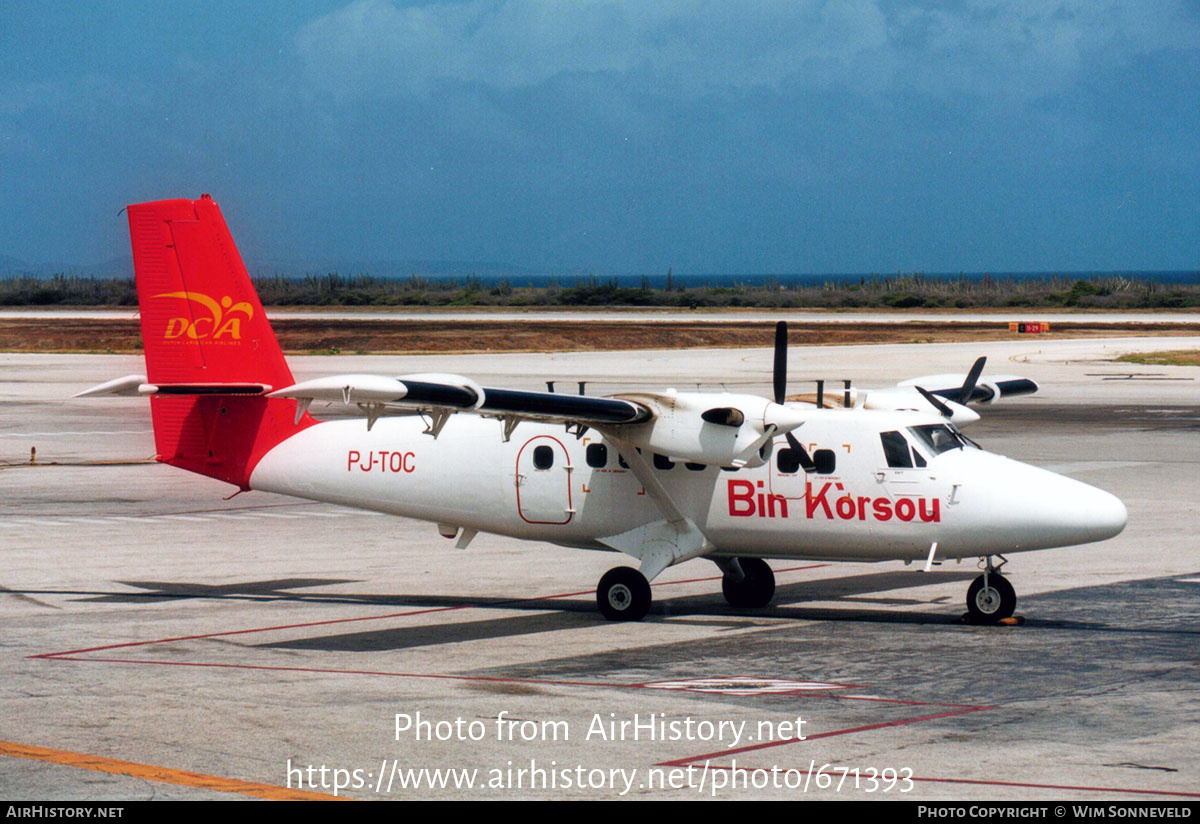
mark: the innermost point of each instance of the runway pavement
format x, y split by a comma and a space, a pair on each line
163, 642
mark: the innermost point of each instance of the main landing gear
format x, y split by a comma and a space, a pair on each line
623, 595
991, 598
747, 582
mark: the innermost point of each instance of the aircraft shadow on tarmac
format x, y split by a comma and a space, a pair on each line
1072, 609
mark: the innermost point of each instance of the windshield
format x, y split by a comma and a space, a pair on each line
940, 437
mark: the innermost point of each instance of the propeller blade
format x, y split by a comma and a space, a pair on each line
968, 387
806, 463
935, 402
780, 371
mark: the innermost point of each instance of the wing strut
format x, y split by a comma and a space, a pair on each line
664, 543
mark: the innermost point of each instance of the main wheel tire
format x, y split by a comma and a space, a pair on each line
755, 590
623, 595
993, 602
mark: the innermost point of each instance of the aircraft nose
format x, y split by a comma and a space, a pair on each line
1097, 514
1064, 511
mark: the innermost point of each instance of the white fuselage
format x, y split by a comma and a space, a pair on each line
545, 484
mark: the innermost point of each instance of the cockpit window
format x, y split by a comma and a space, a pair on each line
939, 438
895, 449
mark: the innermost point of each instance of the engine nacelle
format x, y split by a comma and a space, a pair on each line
909, 399
987, 390
710, 428
442, 388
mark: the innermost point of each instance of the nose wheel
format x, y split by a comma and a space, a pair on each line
623, 595
990, 598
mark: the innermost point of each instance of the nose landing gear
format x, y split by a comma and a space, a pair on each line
991, 598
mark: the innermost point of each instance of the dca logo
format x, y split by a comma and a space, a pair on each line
223, 323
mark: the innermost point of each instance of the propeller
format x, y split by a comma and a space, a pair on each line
779, 373
779, 380
806, 462
968, 387
935, 401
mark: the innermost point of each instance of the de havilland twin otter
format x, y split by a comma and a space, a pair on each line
879, 475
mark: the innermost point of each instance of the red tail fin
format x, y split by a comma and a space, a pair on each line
203, 325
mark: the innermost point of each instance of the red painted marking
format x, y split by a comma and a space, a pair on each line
244, 632
326, 671
957, 709
683, 762
333, 621
718, 577
979, 781
65, 656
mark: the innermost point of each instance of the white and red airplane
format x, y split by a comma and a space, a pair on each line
664, 477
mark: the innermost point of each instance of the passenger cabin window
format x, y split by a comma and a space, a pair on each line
543, 457
663, 462
825, 460
895, 450
621, 461
787, 461
597, 455
695, 467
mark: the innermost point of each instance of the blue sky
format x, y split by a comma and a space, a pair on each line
615, 137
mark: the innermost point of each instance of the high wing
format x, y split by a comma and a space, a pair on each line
440, 395
950, 394
436, 394
709, 428
988, 390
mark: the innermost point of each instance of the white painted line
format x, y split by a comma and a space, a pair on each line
743, 686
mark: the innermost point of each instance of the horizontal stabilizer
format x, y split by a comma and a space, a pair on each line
127, 386
136, 386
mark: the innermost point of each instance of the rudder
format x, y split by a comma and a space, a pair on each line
207, 341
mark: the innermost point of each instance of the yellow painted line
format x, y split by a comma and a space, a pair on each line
163, 775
